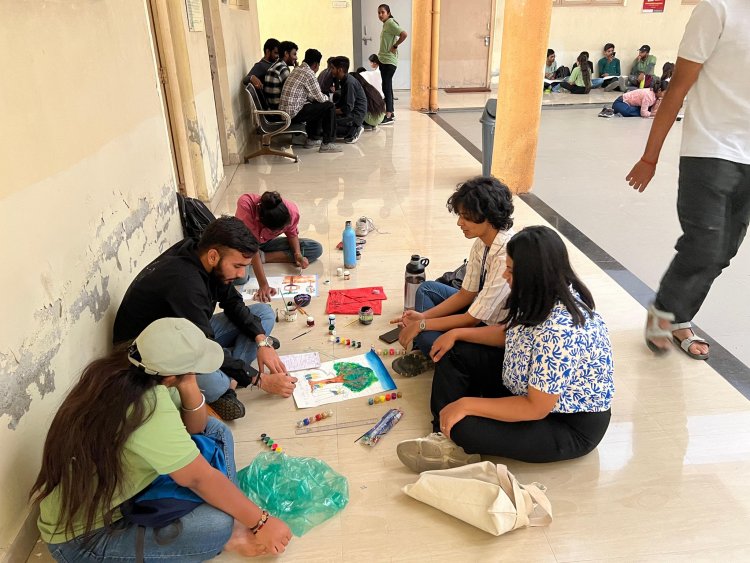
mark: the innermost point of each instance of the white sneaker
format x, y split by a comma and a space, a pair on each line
354, 138
363, 226
311, 143
329, 147
435, 451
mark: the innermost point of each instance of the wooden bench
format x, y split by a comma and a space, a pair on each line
269, 129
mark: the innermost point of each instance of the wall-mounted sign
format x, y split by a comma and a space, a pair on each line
195, 15
653, 6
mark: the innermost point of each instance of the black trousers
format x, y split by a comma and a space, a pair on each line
317, 117
573, 88
713, 205
474, 370
386, 73
347, 126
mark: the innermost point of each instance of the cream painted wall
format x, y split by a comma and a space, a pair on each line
311, 24
87, 199
241, 40
584, 28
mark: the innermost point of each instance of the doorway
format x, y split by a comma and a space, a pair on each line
465, 44
367, 29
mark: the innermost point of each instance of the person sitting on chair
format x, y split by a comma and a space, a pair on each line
258, 73
303, 100
278, 72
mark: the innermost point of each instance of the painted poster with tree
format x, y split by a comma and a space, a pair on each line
341, 380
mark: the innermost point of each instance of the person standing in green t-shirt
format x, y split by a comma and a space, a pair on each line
390, 38
121, 426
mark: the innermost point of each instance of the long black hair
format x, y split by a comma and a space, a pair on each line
375, 102
83, 450
542, 276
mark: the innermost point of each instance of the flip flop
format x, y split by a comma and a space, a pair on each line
685, 343
653, 330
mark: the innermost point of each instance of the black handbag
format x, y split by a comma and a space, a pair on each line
455, 278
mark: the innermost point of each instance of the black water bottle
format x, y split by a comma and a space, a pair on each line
413, 279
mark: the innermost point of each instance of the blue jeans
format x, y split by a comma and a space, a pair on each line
204, 533
624, 109
430, 294
596, 82
311, 249
214, 385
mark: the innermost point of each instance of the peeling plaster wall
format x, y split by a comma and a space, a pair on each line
205, 130
241, 39
87, 199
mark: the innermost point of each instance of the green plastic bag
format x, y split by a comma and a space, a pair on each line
301, 491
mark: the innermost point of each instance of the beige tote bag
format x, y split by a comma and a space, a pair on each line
484, 495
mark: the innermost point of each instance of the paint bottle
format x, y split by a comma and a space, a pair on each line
349, 240
413, 279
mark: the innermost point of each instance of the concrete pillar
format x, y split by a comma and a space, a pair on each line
421, 47
519, 93
434, 55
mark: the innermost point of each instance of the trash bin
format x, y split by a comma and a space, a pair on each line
488, 134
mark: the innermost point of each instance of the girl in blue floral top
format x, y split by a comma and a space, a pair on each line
551, 400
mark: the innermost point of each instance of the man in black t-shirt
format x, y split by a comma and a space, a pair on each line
187, 281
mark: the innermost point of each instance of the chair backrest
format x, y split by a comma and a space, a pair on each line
265, 125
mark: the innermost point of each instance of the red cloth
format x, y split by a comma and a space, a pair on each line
350, 301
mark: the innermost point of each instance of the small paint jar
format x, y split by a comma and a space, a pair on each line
365, 315
310, 321
332, 320
290, 316
339, 272
347, 275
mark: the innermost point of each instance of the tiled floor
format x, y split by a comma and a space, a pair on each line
583, 181
667, 482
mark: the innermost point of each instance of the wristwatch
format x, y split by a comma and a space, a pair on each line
266, 343
422, 325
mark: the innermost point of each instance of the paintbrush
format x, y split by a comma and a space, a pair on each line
283, 298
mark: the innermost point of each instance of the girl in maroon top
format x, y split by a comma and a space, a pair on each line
268, 216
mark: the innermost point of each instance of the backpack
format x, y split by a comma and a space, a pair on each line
455, 278
164, 501
194, 215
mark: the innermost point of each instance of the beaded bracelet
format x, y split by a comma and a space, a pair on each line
262, 522
203, 402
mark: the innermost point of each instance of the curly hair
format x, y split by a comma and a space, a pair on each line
483, 198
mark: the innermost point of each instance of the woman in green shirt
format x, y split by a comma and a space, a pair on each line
580, 79
390, 38
123, 424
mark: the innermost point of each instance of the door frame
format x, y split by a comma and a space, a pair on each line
170, 94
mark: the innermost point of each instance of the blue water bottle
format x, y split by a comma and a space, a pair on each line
350, 246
